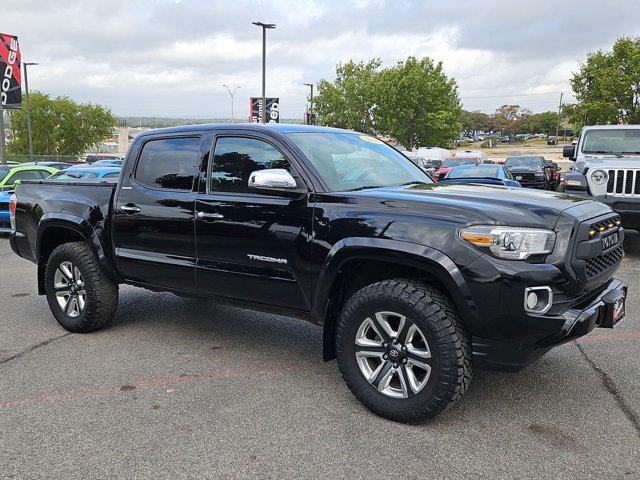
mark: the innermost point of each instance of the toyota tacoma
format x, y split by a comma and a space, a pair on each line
414, 283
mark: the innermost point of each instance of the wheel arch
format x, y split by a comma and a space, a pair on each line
385, 259
60, 228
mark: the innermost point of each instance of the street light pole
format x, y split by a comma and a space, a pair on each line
26, 88
3, 149
231, 94
264, 26
311, 106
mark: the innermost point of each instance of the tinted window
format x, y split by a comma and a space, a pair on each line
169, 163
3, 172
235, 158
111, 175
72, 175
27, 175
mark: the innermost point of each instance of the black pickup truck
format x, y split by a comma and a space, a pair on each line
413, 282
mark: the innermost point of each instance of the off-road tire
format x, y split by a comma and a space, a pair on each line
435, 315
101, 292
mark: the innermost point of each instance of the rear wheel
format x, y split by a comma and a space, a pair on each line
80, 296
402, 350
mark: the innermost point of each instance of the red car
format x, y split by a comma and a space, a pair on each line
451, 162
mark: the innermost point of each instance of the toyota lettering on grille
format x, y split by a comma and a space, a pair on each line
609, 241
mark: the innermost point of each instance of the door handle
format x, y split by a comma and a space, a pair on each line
209, 216
130, 208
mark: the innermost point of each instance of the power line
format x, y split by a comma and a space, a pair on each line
512, 95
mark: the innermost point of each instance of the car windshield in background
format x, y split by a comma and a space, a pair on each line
348, 161
531, 162
475, 172
612, 142
73, 175
454, 162
3, 172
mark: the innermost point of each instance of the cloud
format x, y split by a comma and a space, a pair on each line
171, 57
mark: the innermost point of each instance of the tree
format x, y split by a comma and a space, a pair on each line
60, 126
607, 87
417, 104
475, 121
508, 118
348, 101
544, 122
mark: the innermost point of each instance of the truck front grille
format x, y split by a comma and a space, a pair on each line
597, 265
594, 259
624, 182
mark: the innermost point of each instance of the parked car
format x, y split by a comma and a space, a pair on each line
107, 163
86, 173
607, 168
554, 173
95, 158
412, 281
56, 165
11, 174
427, 166
487, 174
5, 217
451, 162
530, 171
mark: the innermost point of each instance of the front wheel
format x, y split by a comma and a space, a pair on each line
402, 350
80, 296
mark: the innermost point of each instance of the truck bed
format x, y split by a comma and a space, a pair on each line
88, 203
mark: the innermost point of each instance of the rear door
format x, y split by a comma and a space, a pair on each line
153, 217
252, 245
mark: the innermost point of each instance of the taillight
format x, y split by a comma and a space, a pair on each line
554, 174
13, 201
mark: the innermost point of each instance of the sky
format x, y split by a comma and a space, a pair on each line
170, 58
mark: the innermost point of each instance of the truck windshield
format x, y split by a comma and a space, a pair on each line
531, 162
611, 142
352, 161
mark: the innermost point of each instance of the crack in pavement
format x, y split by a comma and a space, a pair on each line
611, 387
33, 347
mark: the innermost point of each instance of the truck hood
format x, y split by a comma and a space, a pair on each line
474, 203
612, 162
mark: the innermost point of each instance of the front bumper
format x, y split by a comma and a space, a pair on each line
576, 320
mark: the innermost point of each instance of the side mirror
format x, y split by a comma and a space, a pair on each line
569, 151
273, 180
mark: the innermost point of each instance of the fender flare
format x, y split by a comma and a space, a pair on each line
421, 257
82, 227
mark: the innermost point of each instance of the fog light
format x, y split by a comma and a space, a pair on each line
532, 300
538, 299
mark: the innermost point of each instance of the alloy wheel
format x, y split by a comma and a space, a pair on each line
69, 288
393, 354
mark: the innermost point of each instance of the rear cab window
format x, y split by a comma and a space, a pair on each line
168, 163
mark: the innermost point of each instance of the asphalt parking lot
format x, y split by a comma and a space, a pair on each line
185, 389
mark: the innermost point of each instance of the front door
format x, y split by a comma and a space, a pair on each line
153, 218
251, 245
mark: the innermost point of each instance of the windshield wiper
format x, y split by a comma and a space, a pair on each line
413, 182
364, 187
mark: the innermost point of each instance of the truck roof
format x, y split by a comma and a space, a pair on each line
280, 127
611, 127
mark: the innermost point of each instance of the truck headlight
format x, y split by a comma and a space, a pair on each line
513, 243
599, 177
